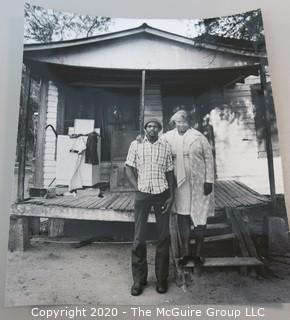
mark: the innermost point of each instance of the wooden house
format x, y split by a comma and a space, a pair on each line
119, 80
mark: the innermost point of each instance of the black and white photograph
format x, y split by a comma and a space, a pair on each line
147, 167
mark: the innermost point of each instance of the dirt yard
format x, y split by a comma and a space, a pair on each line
58, 274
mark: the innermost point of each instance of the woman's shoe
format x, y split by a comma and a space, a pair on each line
183, 261
198, 260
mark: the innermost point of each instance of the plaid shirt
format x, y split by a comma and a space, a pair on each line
152, 161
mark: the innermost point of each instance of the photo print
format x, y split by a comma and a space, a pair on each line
147, 168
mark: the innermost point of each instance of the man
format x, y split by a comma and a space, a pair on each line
149, 169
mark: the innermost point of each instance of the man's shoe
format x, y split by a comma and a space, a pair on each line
136, 289
161, 286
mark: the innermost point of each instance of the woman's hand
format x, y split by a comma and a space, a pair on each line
139, 138
167, 205
207, 187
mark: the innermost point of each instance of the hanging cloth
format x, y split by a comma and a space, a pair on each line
91, 155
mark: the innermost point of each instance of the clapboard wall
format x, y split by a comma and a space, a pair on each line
236, 143
152, 102
49, 165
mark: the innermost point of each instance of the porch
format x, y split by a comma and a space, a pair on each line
87, 79
119, 206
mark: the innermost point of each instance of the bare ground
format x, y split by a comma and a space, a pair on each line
57, 274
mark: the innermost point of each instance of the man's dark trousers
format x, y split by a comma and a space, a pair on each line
143, 204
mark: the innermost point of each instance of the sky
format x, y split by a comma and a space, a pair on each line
184, 27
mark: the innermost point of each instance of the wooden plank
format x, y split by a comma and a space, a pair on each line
18, 234
97, 202
242, 193
40, 142
228, 262
242, 190
115, 203
130, 206
125, 198
78, 200
66, 202
33, 210
86, 200
268, 136
90, 201
107, 202
232, 199
253, 193
245, 233
237, 232
55, 201
126, 203
224, 199
23, 130
60, 109
215, 226
222, 237
142, 102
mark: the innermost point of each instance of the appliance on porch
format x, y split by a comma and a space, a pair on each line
69, 161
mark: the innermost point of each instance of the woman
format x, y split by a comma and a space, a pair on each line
194, 198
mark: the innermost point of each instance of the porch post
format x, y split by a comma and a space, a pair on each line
23, 128
142, 105
40, 142
267, 130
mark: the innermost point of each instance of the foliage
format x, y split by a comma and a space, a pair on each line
244, 26
46, 25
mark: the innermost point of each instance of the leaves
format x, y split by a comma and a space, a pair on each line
46, 25
245, 26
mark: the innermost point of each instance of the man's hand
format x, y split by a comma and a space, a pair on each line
132, 176
207, 187
139, 138
167, 205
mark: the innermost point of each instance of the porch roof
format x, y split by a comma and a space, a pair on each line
101, 77
142, 48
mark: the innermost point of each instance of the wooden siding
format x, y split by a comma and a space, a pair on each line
153, 103
49, 164
236, 143
142, 52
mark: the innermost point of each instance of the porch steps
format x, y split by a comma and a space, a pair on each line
235, 228
228, 262
221, 237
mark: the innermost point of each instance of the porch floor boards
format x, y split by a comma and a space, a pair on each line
228, 194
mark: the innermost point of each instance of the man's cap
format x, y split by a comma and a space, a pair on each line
155, 120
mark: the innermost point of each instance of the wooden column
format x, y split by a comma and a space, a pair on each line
40, 143
18, 234
142, 104
23, 128
267, 129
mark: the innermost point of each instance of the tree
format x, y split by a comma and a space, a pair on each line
245, 26
46, 25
